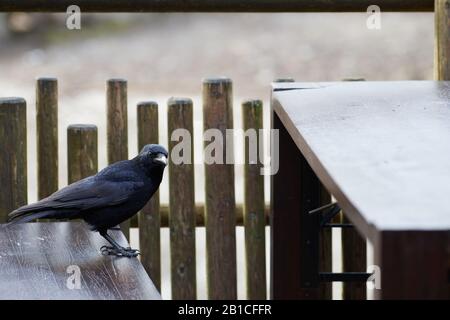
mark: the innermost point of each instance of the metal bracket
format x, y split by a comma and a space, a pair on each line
315, 220
329, 212
344, 276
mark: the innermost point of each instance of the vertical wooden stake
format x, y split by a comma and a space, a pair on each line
82, 151
182, 199
13, 155
442, 40
149, 217
220, 203
117, 128
47, 136
254, 218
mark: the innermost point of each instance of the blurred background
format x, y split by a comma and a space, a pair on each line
164, 55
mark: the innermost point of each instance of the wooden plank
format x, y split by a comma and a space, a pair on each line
216, 5
149, 217
413, 264
289, 220
82, 151
442, 37
39, 258
325, 249
354, 259
200, 215
220, 205
13, 155
254, 218
47, 136
182, 199
117, 128
367, 149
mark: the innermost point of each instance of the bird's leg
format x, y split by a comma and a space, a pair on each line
116, 249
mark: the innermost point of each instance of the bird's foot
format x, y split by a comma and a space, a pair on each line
119, 252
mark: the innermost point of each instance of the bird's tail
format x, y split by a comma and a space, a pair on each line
29, 216
35, 211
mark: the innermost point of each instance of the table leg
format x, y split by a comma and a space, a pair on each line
294, 244
413, 264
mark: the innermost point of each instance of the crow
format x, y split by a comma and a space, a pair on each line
106, 199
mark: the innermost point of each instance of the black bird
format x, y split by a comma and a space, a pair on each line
106, 199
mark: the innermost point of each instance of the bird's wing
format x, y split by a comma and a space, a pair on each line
84, 195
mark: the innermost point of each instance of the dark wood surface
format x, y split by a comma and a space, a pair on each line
34, 258
216, 5
381, 148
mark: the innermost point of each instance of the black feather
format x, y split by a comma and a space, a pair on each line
106, 199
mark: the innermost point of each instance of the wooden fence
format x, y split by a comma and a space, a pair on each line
220, 214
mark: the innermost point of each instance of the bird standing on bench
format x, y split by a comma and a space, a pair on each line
106, 199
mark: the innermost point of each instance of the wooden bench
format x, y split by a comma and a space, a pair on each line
42, 261
382, 149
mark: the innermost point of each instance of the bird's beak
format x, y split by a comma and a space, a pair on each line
161, 159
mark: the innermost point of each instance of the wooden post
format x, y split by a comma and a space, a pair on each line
182, 199
47, 136
149, 216
117, 128
354, 259
412, 265
295, 191
254, 218
13, 155
442, 40
219, 191
325, 249
82, 151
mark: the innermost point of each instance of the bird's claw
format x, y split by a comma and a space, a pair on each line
122, 252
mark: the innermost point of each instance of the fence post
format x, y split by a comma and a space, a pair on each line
442, 38
254, 216
182, 199
219, 190
13, 155
47, 136
82, 151
149, 216
117, 128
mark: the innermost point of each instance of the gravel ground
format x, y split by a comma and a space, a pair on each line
163, 55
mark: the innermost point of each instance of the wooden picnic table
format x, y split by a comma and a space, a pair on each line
382, 149
39, 261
